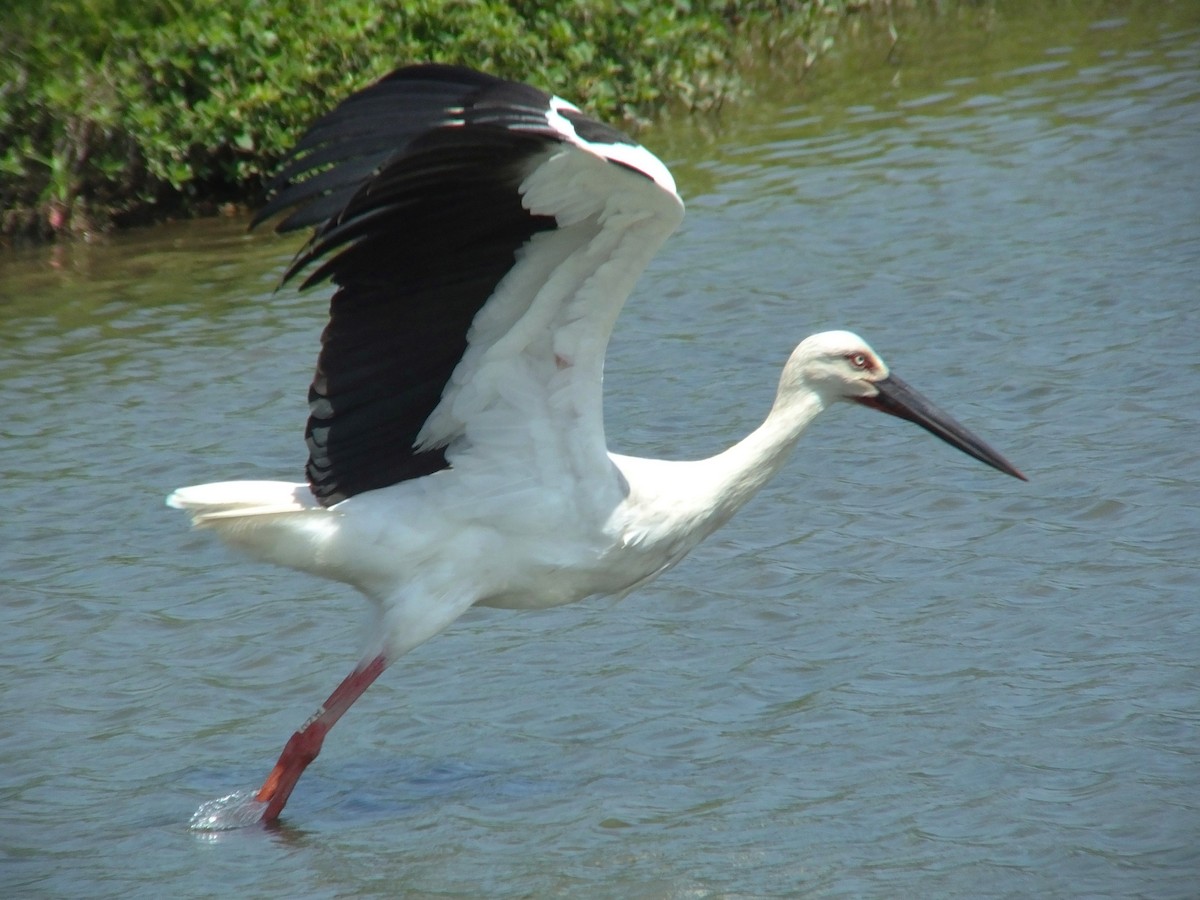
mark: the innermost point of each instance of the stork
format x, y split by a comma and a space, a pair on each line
483, 237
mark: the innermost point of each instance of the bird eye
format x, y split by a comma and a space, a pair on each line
858, 360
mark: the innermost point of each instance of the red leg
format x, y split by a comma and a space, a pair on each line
303, 746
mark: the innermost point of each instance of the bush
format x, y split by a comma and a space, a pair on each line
115, 110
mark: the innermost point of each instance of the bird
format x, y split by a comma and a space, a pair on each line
482, 236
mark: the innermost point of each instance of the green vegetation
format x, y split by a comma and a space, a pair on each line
121, 110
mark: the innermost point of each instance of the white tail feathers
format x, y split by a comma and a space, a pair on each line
211, 503
274, 521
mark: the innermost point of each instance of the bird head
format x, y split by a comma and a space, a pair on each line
839, 365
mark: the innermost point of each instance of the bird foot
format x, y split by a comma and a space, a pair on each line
301, 749
242, 808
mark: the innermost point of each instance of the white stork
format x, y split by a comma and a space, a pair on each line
483, 237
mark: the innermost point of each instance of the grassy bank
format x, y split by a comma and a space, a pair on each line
119, 111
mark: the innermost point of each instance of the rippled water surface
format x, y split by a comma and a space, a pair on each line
897, 673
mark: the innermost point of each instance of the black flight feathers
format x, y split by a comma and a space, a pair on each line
411, 188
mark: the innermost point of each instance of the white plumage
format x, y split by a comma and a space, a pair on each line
483, 237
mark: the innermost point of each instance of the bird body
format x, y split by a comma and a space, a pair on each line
527, 539
483, 237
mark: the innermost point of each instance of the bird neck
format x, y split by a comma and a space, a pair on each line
740, 472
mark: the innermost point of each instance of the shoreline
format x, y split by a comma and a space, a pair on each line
115, 122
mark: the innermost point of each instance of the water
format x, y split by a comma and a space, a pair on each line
897, 673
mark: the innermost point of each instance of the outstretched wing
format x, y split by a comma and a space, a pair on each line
483, 237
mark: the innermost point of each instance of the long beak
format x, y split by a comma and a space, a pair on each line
898, 399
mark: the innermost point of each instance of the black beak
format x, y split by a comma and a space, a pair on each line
898, 399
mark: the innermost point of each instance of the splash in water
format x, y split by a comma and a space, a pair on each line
236, 810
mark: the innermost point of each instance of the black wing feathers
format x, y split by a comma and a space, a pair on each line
412, 186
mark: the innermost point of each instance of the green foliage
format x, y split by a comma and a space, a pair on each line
113, 108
